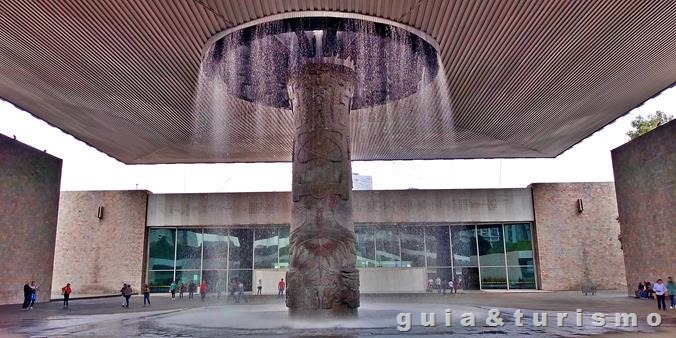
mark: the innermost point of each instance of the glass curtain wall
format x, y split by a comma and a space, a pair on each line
486, 256
215, 255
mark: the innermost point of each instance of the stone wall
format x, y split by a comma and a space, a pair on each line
386, 206
29, 199
645, 183
571, 245
97, 255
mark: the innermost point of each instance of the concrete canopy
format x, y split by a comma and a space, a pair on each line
525, 78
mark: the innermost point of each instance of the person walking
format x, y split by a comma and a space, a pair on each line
146, 295
203, 289
66, 291
281, 286
34, 294
232, 289
219, 289
259, 287
191, 290
660, 289
172, 289
26, 296
181, 290
671, 290
127, 294
124, 287
240, 290
450, 286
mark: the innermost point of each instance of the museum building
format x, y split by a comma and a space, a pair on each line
547, 236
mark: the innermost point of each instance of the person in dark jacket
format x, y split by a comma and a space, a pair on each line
640, 291
192, 287
27, 292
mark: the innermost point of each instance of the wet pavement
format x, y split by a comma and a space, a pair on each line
267, 316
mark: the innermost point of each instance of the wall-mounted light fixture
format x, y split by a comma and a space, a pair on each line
99, 212
580, 206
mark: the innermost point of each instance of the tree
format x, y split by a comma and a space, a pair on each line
643, 125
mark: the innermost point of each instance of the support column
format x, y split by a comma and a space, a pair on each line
322, 277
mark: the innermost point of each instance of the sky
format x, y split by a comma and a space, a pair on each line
85, 168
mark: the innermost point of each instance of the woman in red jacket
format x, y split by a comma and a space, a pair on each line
66, 291
203, 289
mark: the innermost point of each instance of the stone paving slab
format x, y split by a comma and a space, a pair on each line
266, 316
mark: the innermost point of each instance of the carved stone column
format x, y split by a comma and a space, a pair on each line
322, 277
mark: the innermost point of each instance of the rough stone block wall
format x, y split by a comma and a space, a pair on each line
97, 255
573, 246
29, 200
645, 183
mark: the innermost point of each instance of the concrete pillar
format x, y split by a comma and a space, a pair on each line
322, 277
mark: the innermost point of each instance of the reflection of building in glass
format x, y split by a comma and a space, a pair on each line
448, 251
362, 182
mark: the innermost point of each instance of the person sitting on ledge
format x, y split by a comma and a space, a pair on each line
648, 290
640, 290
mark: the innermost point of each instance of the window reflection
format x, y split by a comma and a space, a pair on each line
283, 248
161, 249
491, 246
493, 278
366, 252
521, 277
265, 248
412, 247
189, 249
215, 249
464, 246
518, 242
437, 241
159, 281
387, 247
241, 248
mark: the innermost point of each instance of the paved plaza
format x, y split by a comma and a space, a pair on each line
267, 316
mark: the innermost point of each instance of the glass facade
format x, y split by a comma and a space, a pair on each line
214, 255
485, 256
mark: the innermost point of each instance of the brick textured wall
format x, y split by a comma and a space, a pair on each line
29, 199
573, 245
645, 182
97, 255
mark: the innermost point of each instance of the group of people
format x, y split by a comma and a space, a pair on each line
235, 291
441, 285
30, 295
191, 288
658, 291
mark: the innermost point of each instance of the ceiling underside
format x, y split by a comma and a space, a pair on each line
524, 78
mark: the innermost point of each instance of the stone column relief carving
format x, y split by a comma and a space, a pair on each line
322, 276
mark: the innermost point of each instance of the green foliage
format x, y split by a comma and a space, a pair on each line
642, 125
518, 246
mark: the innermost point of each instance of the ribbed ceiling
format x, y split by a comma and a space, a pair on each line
524, 78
